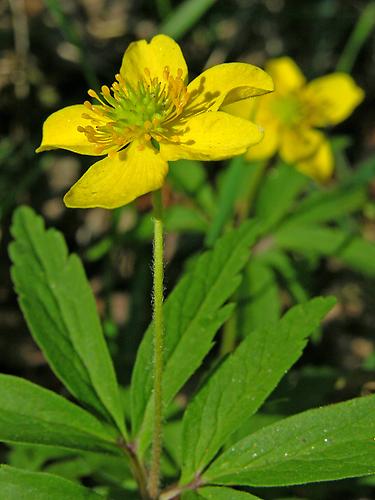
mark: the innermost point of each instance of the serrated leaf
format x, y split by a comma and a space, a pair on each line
17, 484
60, 310
32, 414
329, 443
193, 313
243, 382
353, 250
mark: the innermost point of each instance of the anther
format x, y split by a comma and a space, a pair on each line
93, 94
147, 125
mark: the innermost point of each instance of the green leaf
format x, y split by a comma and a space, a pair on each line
216, 493
187, 219
243, 382
184, 17
189, 495
282, 264
329, 443
278, 193
17, 484
353, 250
190, 178
330, 203
258, 298
32, 456
60, 310
231, 185
362, 30
31, 414
194, 312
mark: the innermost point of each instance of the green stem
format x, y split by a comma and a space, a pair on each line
253, 189
158, 269
362, 30
136, 467
228, 340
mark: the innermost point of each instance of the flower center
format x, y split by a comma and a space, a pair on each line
144, 112
288, 109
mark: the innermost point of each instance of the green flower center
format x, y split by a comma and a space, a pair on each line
145, 112
288, 109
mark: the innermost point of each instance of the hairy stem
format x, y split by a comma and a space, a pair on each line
158, 271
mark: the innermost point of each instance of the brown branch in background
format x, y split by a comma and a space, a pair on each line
21, 43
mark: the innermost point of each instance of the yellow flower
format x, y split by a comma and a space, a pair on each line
292, 115
151, 116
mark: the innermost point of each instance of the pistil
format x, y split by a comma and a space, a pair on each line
125, 113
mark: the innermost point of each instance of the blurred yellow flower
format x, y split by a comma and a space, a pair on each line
151, 116
292, 115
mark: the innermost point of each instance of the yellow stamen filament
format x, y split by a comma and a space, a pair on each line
143, 112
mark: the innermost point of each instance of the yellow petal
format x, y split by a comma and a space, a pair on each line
319, 166
286, 75
332, 98
244, 108
60, 131
213, 136
227, 83
299, 143
268, 145
113, 182
162, 51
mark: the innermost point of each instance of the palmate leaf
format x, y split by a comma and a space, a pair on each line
193, 313
32, 414
329, 443
18, 484
60, 310
242, 383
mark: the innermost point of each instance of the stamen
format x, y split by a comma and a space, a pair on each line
145, 111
